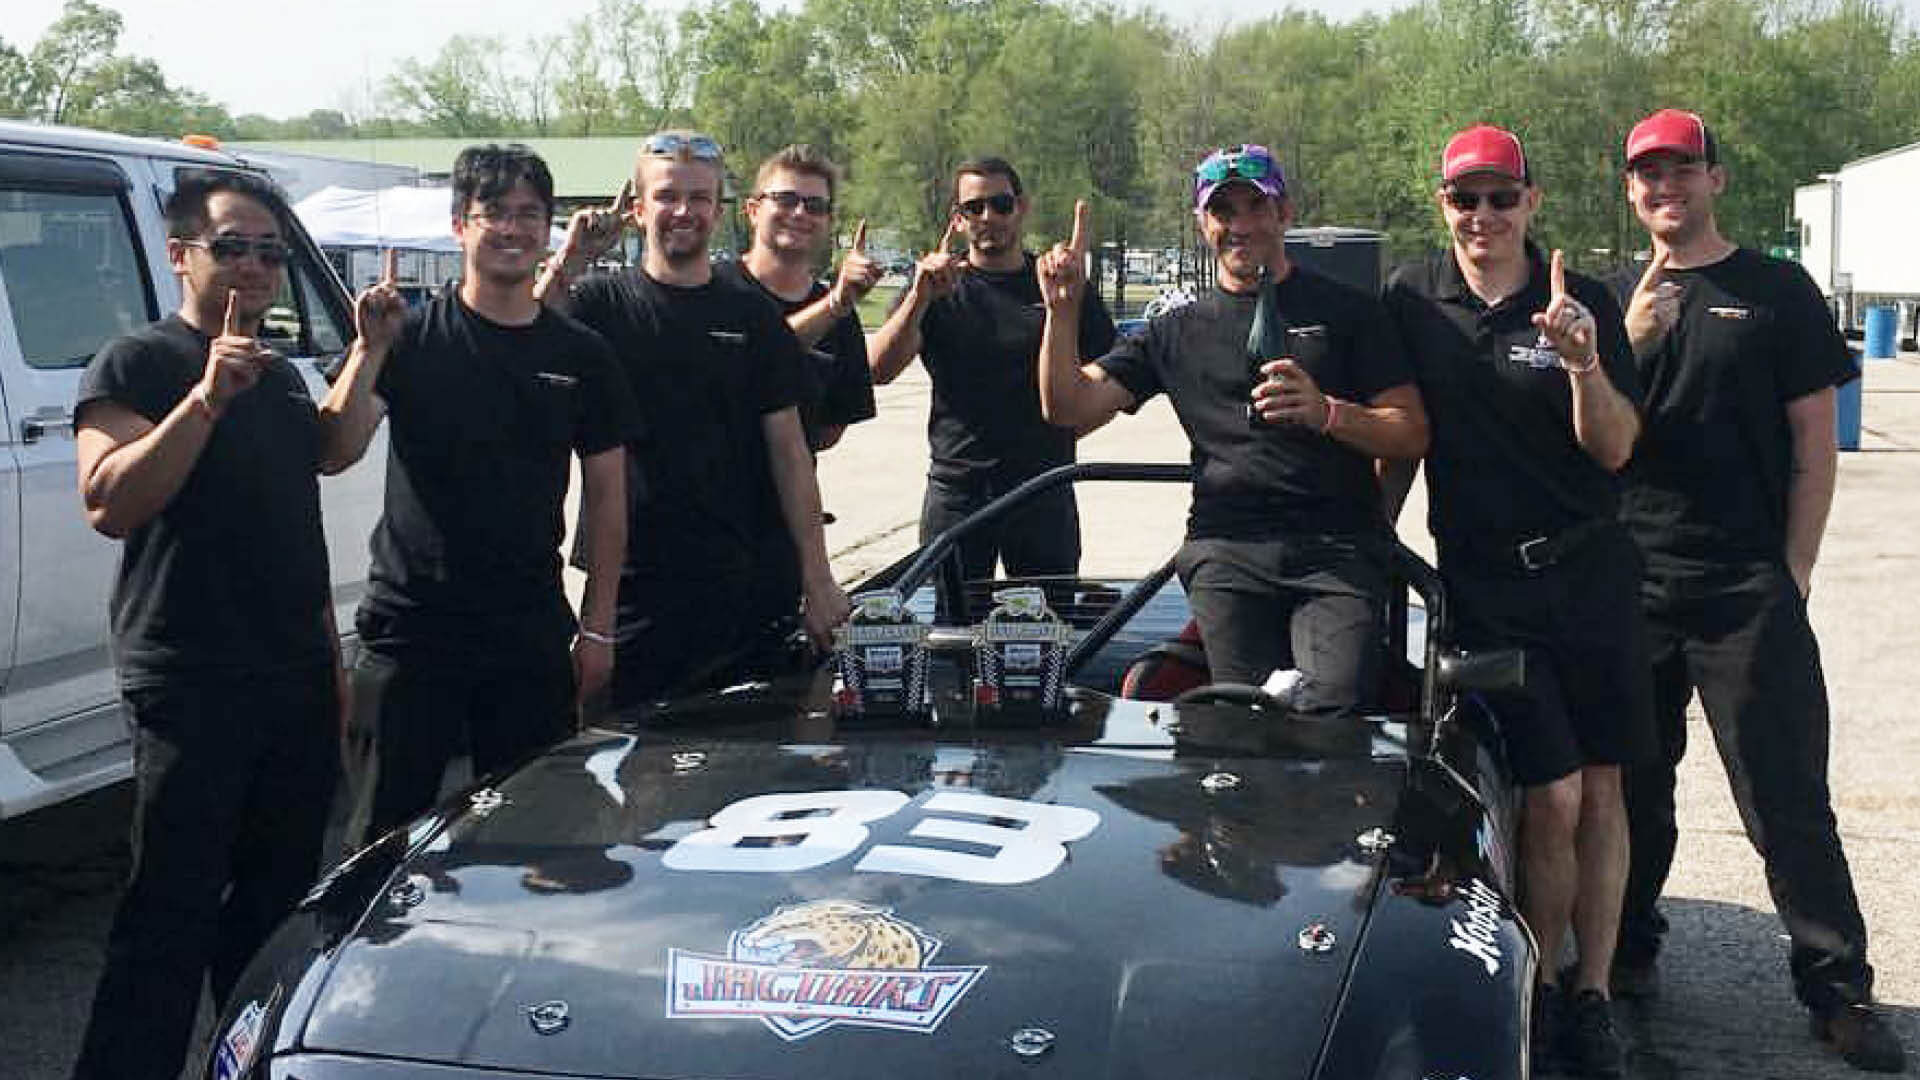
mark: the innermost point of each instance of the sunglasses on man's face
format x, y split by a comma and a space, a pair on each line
229, 248
673, 144
817, 205
1468, 201
1001, 204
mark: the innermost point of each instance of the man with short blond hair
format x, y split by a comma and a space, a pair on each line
716, 373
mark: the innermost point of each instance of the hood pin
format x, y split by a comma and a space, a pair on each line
1216, 782
1316, 938
548, 1017
1030, 1042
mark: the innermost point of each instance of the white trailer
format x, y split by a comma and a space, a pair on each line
1860, 235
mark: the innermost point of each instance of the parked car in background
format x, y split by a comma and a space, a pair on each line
83, 259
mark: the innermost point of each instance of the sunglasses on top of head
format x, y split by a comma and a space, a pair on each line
817, 205
673, 144
1468, 201
1236, 163
1002, 204
229, 248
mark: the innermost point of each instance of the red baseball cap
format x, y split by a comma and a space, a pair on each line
1674, 131
1483, 148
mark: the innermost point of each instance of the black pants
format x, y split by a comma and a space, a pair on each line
1313, 603
1039, 539
415, 713
1745, 644
233, 778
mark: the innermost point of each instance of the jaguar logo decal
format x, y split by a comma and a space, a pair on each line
807, 967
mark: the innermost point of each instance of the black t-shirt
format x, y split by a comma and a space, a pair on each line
1503, 465
981, 347
1253, 480
231, 574
482, 420
706, 364
1708, 483
836, 384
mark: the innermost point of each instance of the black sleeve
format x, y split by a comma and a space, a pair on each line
1378, 360
133, 371
594, 297
1130, 361
1616, 354
784, 378
608, 415
1404, 303
848, 398
1096, 327
1815, 356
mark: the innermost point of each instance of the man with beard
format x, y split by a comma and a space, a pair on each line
717, 374
465, 625
1285, 562
1728, 498
975, 321
198, 447
1531, 392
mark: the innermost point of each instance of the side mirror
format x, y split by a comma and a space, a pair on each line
1489, 669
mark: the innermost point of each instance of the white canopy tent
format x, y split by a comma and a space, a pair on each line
409, 219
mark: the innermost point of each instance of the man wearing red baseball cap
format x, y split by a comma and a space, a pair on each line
1727, 498
1285, 561
1532, 397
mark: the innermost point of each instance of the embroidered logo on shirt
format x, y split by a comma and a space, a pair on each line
1730, 312
1539, 356
554, 378
728, 337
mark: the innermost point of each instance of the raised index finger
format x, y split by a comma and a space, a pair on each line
390, 267
1557, 275
621, 200
946, 238
1655, 266
860, 237
231, 326
1079, 241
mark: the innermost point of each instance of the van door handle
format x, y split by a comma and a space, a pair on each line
35, 428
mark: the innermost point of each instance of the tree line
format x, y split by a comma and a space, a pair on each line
1093, 100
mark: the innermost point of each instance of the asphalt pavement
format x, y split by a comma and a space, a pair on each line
1725, 1008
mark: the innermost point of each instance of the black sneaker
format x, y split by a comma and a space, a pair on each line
1635, 978
1862, 1037
1589, 1046
1549, 1017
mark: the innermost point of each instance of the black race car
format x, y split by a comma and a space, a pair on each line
915, 863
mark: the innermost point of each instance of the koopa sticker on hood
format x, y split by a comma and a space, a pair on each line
810, 966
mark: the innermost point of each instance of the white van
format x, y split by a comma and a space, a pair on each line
82, 259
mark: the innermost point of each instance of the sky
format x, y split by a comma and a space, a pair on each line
286, 59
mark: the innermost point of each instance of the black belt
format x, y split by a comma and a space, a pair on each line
1531, 554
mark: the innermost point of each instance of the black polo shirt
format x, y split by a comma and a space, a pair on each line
1708, 485
1257, 481
981, 347
836, 384
1503, 465
482, 421
706, 364
230, 576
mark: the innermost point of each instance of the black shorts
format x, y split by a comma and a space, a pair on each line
1589, 693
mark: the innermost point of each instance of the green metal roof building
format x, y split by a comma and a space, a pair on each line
584, 169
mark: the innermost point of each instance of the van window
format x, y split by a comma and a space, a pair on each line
73, 277
299, 318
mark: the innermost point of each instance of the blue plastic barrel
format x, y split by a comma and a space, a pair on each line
1846, 407
1883, 324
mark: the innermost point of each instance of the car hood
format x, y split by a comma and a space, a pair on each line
1202, 923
